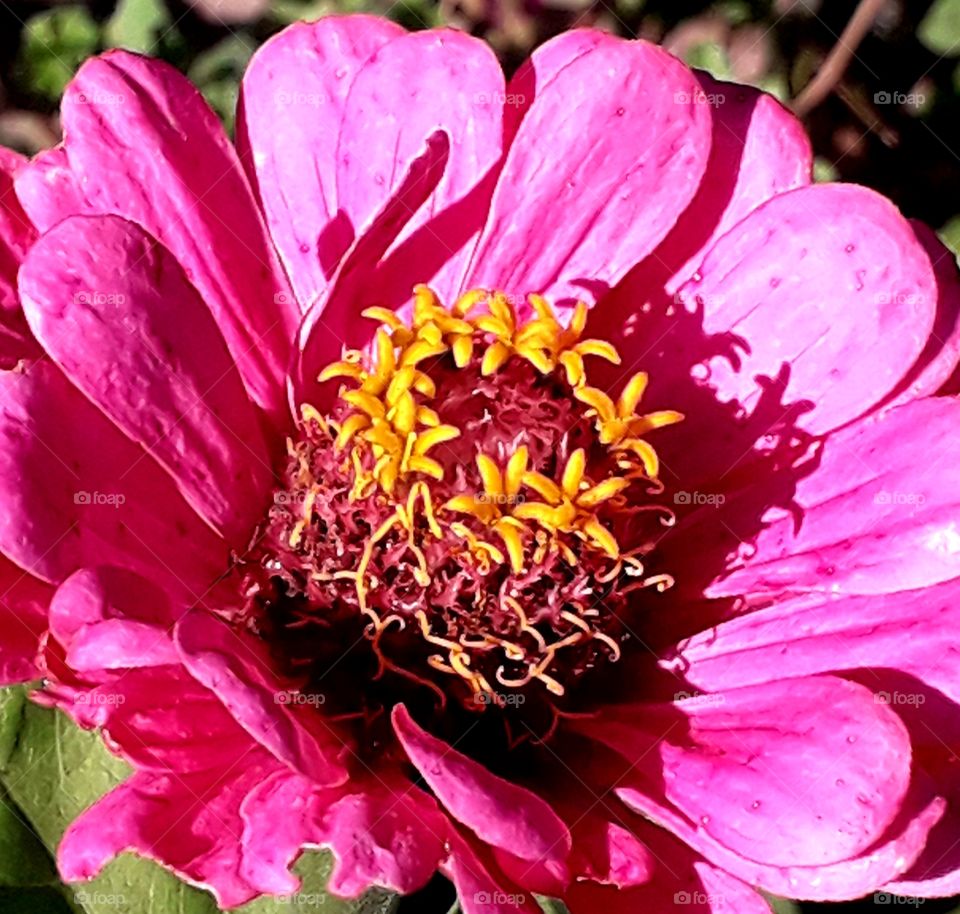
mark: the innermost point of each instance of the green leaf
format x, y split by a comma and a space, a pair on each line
54, 45
34, 901
709, 56
824, 171
940, 29
24, 861
136, 25
782, 905
12, 701
950, 235
52, 770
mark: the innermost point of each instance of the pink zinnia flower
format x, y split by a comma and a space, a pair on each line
440, 580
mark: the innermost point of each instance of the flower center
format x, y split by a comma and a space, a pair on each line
471, 506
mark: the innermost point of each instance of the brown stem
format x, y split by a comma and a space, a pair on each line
837, 61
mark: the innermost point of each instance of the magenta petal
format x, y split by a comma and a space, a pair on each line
110, 618
878, 514
817, 757
681, 880
828, 280
291, 108
759, 150
76, 492
114, 309
842, 881
616, 162
386, 835
23, 619
16, 235
190, 823
502, 814
480, 889
940, 357
540, 69
140, 142
383, 831
912, 631
335, 321
237, 668
423, 82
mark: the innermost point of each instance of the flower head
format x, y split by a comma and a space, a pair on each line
542, 486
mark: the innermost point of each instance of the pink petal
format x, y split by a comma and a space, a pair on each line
940, 357
110, 618
913, 632
291, 108
140, 142
382, 830
23, 619
110, 662
681, 881
828, 280
77, 492
804, 773
612, 197
843, 881
237, 667
335, 321
934, 724
480, 889
116, 312
871, 501
190, 823
16, 235
611, 854
500, 813
759, 150
540, 69
439, 79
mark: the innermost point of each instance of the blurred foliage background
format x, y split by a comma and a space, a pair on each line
890, 120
